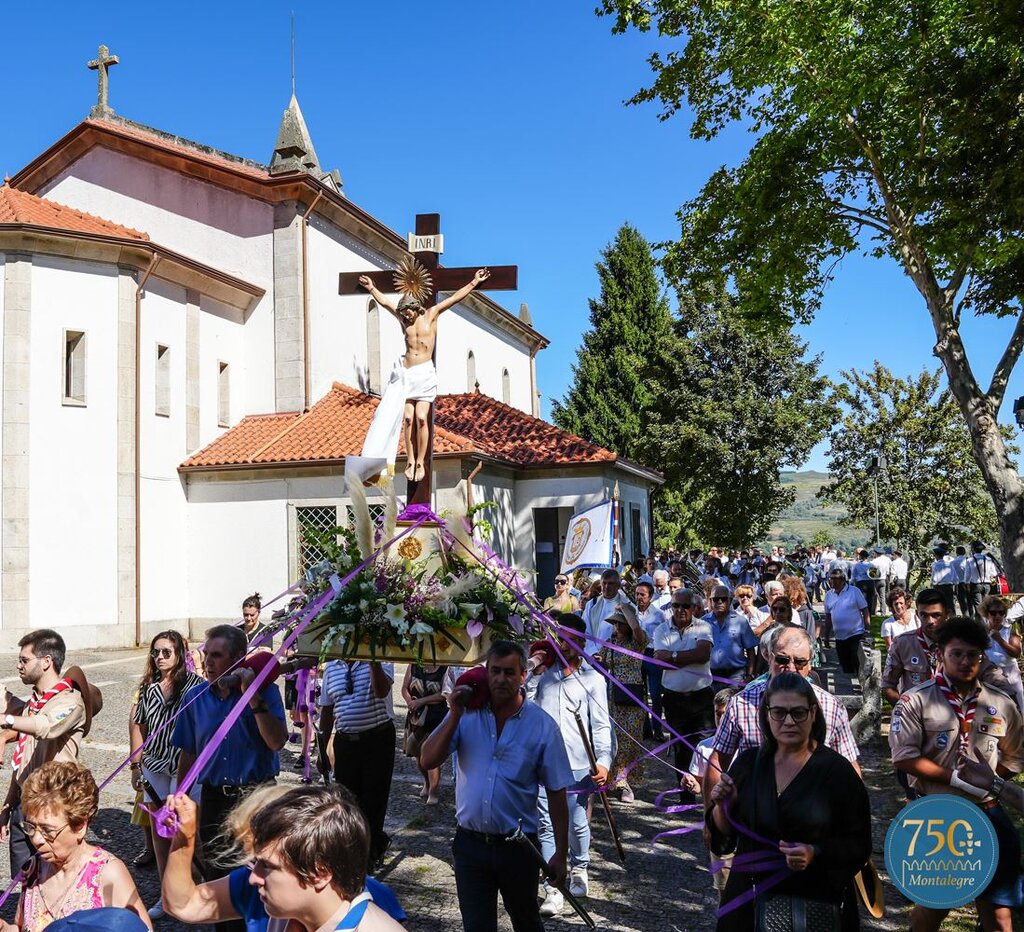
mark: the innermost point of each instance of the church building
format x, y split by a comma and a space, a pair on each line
182, 381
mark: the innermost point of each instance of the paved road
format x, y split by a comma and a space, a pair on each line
665, 887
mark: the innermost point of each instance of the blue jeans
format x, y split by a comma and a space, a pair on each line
652, 676
579, 827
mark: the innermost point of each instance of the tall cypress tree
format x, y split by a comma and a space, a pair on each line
609, 396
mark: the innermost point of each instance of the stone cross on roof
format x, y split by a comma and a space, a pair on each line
101, 64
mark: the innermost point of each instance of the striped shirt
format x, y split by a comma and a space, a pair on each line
347, 687
739, 728
152, 712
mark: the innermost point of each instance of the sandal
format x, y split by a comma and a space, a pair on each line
146, 859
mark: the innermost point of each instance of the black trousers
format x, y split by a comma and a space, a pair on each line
848, 653
689, 714
482, 871
364, 764
20, 847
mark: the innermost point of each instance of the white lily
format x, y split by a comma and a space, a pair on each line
421, 627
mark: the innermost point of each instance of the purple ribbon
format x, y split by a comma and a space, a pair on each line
15, 880
165, 820
754, 862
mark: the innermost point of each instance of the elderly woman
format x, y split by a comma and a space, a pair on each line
803, 796
1004, 643
68, 874
627, 633
307, 849
757, 619
902, 619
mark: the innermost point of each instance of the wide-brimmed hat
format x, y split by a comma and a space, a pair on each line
91, 696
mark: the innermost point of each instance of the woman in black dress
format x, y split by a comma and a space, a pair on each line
808, 801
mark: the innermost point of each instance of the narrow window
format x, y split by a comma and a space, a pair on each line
506, 387
74, 367
163, 381
223, 395
471, 372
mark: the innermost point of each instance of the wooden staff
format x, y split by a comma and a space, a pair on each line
520, 836
604, 796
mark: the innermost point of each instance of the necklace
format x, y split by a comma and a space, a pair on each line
783, 777
59, 911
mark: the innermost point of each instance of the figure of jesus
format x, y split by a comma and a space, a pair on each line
415, 371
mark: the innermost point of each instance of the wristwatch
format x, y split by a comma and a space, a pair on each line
998, 783
8, 720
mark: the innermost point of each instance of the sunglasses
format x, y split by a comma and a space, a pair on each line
719, 598
798, 662
798, 713
682, 606
164, 652
561, 582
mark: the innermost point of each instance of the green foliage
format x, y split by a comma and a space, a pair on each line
731, 407
931, 487
877, 126
609, 389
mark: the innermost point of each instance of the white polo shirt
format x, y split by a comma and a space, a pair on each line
693, 676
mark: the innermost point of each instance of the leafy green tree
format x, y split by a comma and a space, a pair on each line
629, 320
821, 538
732, 408
879, 126
931, 486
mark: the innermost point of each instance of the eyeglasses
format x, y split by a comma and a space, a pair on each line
719, 598
746, 595
798, 662
798, 713
165, 652
682, 606
49, 835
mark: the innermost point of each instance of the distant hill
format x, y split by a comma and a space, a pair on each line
806, 516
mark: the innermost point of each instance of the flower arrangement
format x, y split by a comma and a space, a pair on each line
407, 604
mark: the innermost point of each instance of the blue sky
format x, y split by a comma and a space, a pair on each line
507, 119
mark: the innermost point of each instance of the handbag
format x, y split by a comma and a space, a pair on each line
619, 696
796, 914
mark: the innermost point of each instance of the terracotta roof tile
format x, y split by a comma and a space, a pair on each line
22, 207
182, 146
337, 424
506, 433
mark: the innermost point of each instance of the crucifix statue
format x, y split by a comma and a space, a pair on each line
406, 403
102, 63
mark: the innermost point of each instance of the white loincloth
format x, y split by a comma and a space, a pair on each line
417, 383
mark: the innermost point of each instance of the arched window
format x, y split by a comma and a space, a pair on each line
506, 387
471, 372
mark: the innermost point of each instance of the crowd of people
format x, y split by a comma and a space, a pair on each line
705, 668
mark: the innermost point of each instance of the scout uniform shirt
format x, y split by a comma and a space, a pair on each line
908, 664
924, 724
64, 718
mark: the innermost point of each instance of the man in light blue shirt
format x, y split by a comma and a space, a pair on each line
506, 748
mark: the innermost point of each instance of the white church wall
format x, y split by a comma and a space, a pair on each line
223, 229
338, 323
222, 340
242, 538
163, 526
73, 452
460, 331
501, 488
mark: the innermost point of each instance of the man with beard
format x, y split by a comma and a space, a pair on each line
946, 722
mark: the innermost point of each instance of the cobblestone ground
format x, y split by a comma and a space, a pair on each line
664, 887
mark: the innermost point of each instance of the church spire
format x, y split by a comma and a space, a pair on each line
294, 150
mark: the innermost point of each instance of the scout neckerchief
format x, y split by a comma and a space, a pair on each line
964, 708
35, 705
930, 651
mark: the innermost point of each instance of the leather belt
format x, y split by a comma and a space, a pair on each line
488, 839
360, 735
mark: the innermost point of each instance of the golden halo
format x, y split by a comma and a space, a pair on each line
410, 548
412, 279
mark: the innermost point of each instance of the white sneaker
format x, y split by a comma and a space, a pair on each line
157, 912
627, 793
553, 902
578, 881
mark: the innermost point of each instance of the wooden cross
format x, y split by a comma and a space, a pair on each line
426, 246
102, 64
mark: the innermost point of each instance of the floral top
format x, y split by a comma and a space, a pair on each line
86, 893
624, 668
